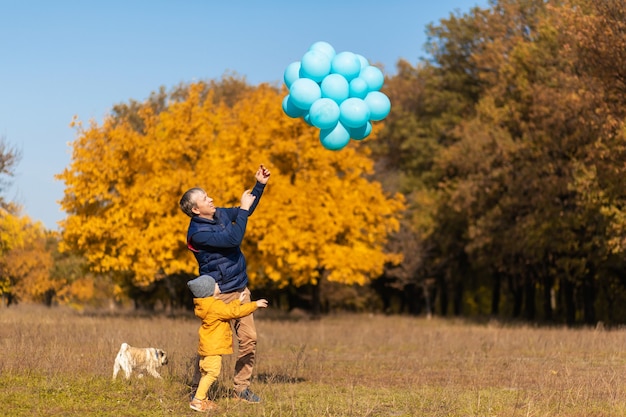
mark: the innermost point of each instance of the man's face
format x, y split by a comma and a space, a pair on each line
204, 206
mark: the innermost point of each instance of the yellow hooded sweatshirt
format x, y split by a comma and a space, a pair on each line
216, 336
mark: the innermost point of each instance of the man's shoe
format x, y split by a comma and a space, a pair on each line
247, 396
202, 405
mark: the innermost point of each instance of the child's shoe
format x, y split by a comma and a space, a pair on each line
202, 405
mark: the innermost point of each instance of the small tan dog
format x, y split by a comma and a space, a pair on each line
131, 359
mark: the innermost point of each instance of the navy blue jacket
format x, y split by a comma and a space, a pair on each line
216, 244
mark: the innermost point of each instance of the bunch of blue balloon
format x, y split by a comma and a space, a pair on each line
335, 92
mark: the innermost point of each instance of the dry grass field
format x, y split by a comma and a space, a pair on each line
56, 362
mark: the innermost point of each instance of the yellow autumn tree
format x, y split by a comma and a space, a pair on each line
25, 260
320, 213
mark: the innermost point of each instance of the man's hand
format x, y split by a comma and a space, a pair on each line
247, 199
262, 174
262, 303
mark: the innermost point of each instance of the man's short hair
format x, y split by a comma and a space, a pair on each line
188, 201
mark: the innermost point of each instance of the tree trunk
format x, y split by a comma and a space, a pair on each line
426, 284
568, 301
589, 298
316, 302
443, 296
548, 283
458, 298
495, 294
518, 296
529, 299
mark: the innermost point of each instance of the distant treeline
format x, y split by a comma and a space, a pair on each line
495, 187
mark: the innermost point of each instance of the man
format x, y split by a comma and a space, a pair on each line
214, 236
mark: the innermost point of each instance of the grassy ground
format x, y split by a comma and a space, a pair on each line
55, 362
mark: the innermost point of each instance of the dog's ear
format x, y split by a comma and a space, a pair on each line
163, 357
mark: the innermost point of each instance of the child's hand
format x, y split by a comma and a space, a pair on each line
262, 303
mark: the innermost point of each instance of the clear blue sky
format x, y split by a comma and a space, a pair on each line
64, 58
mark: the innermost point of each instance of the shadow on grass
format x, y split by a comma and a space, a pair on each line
220, 391
278, 379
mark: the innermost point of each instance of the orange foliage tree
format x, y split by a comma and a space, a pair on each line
25, 261
320, 213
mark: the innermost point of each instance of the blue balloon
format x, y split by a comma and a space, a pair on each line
361, 132
292, 73
307, 118
291, 109
335, 92
346, 64
335, 87
378, 104
324, 113
314, 65
373, 77
335, 138
364, 62
304, 92
353, 112
358, 88
323, 47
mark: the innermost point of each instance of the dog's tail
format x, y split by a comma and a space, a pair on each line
124, 347
121, 362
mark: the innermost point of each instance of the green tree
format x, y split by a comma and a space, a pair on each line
518, 140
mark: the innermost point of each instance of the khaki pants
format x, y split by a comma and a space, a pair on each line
245, 332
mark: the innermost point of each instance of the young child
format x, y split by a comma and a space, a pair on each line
216, 337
